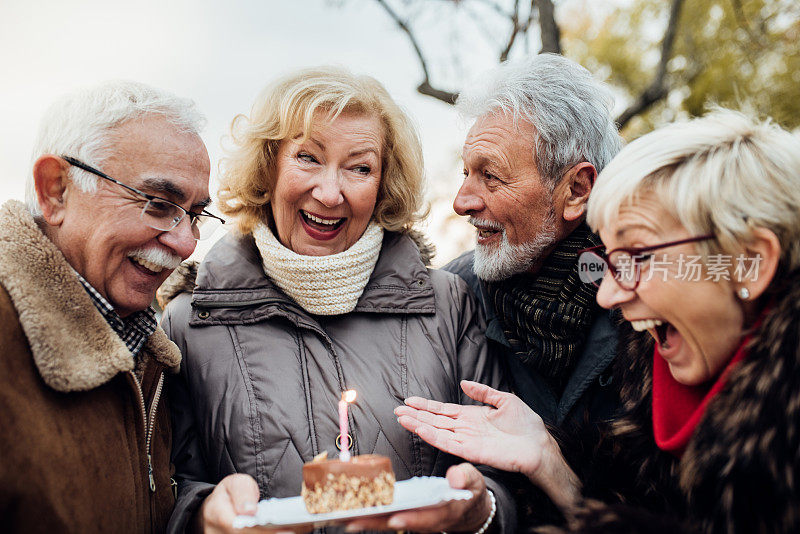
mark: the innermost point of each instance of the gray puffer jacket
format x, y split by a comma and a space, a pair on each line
261, 377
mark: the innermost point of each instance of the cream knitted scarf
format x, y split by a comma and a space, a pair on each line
322, 285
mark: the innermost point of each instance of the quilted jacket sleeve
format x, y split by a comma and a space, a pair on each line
477, 364
190, 468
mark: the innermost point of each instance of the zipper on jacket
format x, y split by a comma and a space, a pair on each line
149, 422
306, 326
291, 305
237, 303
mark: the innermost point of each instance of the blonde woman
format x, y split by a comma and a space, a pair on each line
701, 237
324, 288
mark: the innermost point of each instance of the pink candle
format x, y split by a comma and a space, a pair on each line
344, 438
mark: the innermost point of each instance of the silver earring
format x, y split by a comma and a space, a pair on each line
744, 293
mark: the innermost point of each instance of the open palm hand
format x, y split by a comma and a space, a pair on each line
506, 434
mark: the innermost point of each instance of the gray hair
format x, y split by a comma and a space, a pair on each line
570, 110
79, 125
725, 173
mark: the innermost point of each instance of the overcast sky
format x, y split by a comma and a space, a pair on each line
221, 54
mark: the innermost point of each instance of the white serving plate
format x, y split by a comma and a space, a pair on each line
411, 494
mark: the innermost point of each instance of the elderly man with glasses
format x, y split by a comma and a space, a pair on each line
116, 199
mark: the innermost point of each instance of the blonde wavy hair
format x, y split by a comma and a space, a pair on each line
285, 109
724, 173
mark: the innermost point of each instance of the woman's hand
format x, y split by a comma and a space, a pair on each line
235, 495
507, 435
467, 516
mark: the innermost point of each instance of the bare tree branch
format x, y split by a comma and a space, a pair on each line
425, 87
551, 34
659, 87
531, 17
447, 97
478, 18
411, 37
515, 27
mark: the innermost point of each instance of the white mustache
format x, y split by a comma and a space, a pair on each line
474, 221
158, 256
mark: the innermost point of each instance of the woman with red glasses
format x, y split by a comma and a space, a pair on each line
701, 255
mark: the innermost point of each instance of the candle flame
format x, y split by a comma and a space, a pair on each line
349, 395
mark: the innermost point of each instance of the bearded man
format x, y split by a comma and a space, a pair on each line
542, 132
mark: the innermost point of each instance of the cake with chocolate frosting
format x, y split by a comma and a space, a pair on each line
329, 485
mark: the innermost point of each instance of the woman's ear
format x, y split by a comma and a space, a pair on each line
50, 180
577, 185
758, 264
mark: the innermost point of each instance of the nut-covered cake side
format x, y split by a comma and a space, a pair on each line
329, 485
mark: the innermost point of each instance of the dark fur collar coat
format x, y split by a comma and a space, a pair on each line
741, 470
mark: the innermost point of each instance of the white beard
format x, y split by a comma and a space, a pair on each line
494, 263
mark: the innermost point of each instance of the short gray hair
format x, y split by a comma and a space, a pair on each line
725, 173
79, 124
570, 110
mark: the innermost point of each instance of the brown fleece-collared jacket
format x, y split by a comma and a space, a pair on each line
77, 416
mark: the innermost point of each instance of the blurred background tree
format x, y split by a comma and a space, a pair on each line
664, 58
735, 53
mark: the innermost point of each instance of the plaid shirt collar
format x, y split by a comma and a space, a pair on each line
133, 330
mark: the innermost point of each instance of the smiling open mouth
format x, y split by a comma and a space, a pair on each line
322, 224
485, 228
146, 266
658, 329
486, 232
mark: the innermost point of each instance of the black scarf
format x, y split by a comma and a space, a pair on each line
546, 317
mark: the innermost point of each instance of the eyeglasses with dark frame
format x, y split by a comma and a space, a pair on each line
625, 263
159, 213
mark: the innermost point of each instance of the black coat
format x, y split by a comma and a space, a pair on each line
741, 470
590, 396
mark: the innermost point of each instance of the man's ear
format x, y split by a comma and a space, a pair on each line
760, 263
50, 179
577, 184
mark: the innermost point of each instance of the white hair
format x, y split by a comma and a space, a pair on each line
725, 174
79, 124
570, 110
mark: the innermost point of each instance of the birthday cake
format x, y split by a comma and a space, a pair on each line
363, 481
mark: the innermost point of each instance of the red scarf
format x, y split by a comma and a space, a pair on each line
677, 409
